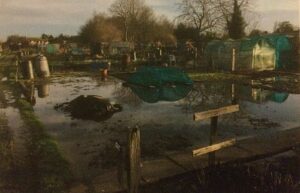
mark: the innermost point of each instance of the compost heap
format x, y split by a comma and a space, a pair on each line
90, 107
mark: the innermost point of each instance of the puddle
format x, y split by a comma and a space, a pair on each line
165, 117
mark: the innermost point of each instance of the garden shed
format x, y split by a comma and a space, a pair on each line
259, 53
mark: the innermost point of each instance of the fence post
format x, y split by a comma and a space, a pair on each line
134, 155
17, 71
213, 133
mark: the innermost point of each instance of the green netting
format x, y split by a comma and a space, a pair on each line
163, 93
159, 76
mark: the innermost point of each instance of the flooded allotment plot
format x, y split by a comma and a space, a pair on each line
52, 141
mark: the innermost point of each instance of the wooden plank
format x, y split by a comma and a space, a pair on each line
213, 148
216, 112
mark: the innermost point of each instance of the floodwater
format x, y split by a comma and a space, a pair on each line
166, 126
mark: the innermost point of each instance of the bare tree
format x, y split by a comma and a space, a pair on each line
204, 15
211, 15
127, 11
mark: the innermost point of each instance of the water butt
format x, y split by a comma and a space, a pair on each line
43, 90
27, 70
42, 66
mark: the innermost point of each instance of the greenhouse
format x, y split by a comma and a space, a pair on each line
270, 52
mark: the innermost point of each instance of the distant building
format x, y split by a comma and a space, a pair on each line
118, 48
36, 42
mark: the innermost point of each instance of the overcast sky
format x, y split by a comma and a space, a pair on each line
34, 17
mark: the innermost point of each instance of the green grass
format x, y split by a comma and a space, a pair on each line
49, 171
216, 76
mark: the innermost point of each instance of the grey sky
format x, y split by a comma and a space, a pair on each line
34, 17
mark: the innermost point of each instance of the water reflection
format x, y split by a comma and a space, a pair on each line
43, 90
28, 90
212, 95
279, 97
166, 127
258, 95
172, 92
126, 96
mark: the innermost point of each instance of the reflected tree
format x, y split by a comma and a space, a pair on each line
126, 96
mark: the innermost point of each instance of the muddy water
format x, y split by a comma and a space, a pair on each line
166, 126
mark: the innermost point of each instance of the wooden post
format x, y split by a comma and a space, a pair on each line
195, 58
213, 115
17, 70
134, 154
134, 56
233, 95
213, 133
233, 60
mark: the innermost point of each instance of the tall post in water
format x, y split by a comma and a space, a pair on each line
134, 56
195, 58
212, 139
17, 70
233, 60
